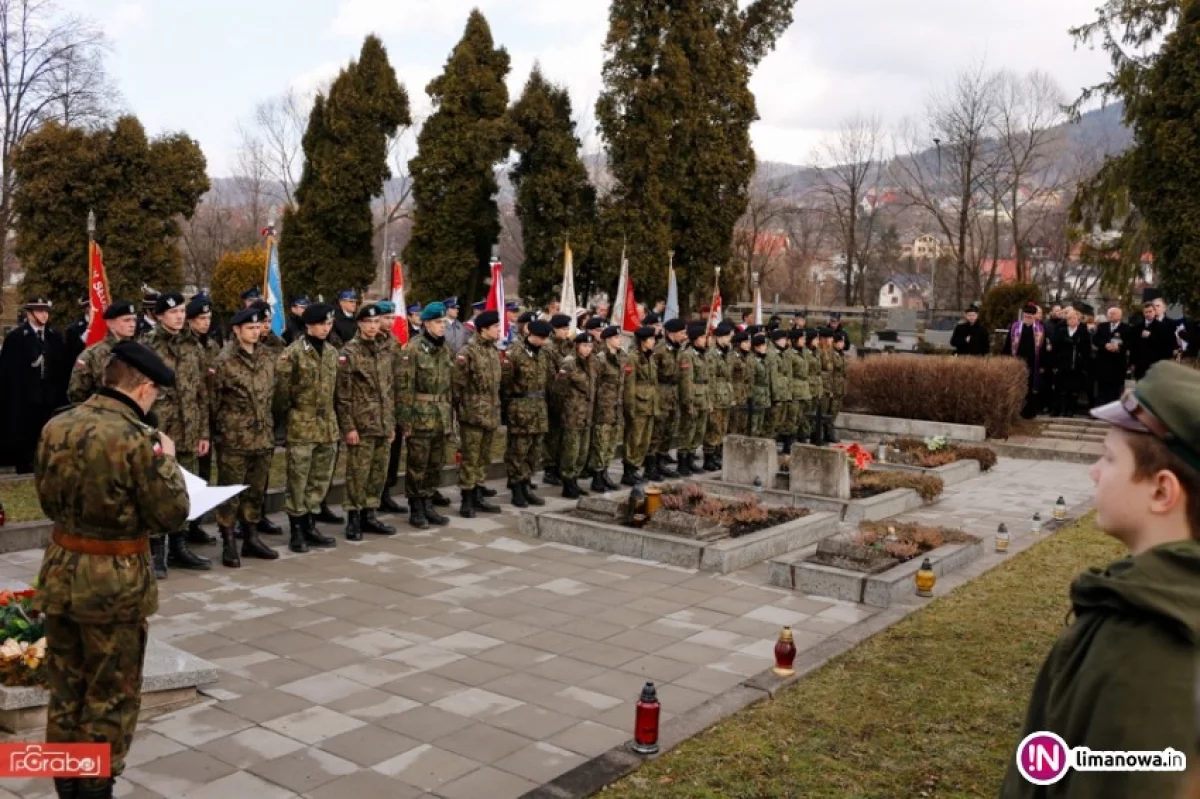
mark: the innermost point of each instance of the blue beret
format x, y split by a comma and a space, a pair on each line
433, 312
385, 307
512, 306
478, 306
252, 294
414, 308
451, 303
347, 294
302, 300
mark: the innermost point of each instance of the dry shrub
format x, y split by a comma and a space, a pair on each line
985, 456
901, 550
927, 485
947, 454
921, 538
977, 391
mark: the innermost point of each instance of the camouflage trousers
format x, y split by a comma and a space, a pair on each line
779, 419
252, 469
366, 472
521, 455
476, 453
691, 430
833, 409
551, 444
94, 675
423, 469
639, 431
739, 421
718, 426
760, 423
191, 462
603, 446
666, 432
801, 426
573, 456
309, 472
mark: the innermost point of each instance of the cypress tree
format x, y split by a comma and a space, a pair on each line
326, 241
139, 190
456, 221
555, 200
676, 114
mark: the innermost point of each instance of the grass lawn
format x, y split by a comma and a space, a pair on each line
930, 707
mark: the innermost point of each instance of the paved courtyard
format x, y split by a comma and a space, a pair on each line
469, 661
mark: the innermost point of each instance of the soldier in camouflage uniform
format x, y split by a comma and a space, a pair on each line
779, 417
88, 372
801, 394
475, 387
760, 389
425, 413
523, 381
363, 400
576, 396
243, 384
304, 388
838, 392
741, 377
694, 400
182, 412
199, 318
825, 355
390, 345
107, 479
560, 346
611, 367
640, 404
813, 362
720, 392
666, 419
271, 341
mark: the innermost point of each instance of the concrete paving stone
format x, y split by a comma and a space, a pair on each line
365, 784
579, 702
692, 653
289, 642
371, 704
589, 739
673, 628
525, 686
620, 683
566, 669
482, 742
252, 630
605, 654
147, 746
740, 664
708, 680
660, 607
713, 585
476, 703
374, 672
423, 657
461, 619
669, 576
176, 774
372, 643
251, 747
624, 617
769, 614
265, 704
239, 783
422, 631
278, 671
595, 630
544, 618
200, 642
472, 672
723, 604
641, 640
423, 687
322, 688
722, 639
345, 608
559, 642
489, 782
368, 745
680, 699
198, 724
846, 613
514, 656
701, 616
540, 762
466, 643
327, 658
427, 767
304, 770
424, 723
751, 594
613, 597
313, 724
532, 721
658, 668
509, 631
802, 604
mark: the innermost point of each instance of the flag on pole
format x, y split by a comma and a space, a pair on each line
618, 307
714, 318
274, 284
495, 300
629, 320
400, 324
566, 299
98, 298
672, 311
758, 314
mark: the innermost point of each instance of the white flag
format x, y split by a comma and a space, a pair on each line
618, 306
566, 299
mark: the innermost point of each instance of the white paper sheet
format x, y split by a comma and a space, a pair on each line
204, 497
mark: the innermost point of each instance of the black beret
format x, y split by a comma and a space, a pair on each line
146, 361
367, 312
802, 315
675, 325
584, 338
740, 336
595, 323
810, 334
246, 316
826, 332
651, 319
251, 294
149, 298
697, 329
317, 313
199, 306
120, 308
725, 328
487, 319
168, 300
973, 308
758, 340
526, 318
538, 327
796, 333
778, 333
263, 306
610, 331
754, 330
644, 333
560, 320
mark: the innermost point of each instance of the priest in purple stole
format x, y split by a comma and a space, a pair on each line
1027, 341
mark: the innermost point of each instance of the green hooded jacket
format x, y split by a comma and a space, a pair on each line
1122, 676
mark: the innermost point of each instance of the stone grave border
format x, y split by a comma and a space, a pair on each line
880, 506
951, 473
866, 425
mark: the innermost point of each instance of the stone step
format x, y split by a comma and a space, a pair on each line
1097, 437
1072, 428
1067, 421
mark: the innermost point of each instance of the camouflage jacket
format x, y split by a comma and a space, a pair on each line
839, 373
523, 383
423, 388
781, 374
814, 372
244, 387
826, 356
391, 347
720, 383
609, 383
475, 384
363, 395
271, 342
741, 376
102, 474
576, 393
760, 392
88, 373
641, 385
693, 381
304, 387
182, 410
209, 352
666, 364
799, 364
555, 351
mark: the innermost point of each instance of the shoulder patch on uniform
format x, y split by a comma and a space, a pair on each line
628, 368
212, 371
341, 359
81, 362
405, 358
685, 364
462, 358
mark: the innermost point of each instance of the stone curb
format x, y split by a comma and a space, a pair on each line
1039, 453
591, 777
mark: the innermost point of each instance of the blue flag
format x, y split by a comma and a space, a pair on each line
672, 311
274, 288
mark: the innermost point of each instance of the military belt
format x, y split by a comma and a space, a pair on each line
96, 546
433, 398
531, 395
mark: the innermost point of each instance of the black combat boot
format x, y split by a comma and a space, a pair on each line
326, 516
710, 462
416, 513
665, 470
685, 463
818, 437
158, 556
370, 524
608, 481
653, 473
719, 456
66, 787
439, 499
267, 526
787, 444
229, 548
180, 557
353, 526
96, 790
831, 432
389, 505
629, 474
481, 503
314, 537
530, 497
668, 460
487, 492
466, 508
255, 547
296, 542
571, 489
198, 535
598, 486
518, 494
551, 477
432, 515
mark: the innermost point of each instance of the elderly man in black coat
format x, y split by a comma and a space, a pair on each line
33, 383
1112, 340
970, 337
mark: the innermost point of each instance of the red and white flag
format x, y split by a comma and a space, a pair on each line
400, 325
98, 298
495, 300
714, 318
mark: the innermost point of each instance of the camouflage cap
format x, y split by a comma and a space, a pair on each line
1165, 403
146, 361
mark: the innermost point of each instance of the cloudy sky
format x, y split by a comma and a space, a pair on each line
202, 66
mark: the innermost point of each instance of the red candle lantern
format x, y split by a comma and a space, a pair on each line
645, 725
785, 654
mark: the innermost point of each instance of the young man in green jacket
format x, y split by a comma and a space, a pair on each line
1122, 676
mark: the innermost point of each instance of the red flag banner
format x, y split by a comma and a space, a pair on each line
495, 300
400, 325
630, 321
98, 298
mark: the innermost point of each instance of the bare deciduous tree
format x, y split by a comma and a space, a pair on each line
808, 230
760, 239
275, 137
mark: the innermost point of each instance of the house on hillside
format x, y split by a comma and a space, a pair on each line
925, 247
905, 291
